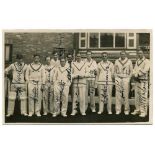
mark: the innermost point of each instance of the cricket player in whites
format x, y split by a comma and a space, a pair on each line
18, 87
35, 76
62, 83
48, 93
123, 72
104, 78
79, 85
91, 70
141, 74
55, 61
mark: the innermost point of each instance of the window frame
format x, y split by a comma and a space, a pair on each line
126, 40
133, 38
89, 40
115, 40
83, 38
10, 53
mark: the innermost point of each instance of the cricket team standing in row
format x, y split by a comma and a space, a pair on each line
50, 84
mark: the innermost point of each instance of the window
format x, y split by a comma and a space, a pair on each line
83, 43
144, 39
131, 34
82, 40
8, 52
83, 35
131, 40
94, 40
119, 40
106, 39
111, 40
131, 43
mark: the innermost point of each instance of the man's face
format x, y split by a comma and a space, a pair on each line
20, 61
123, 55
78, 58
36, 59
48, 60
89, 55
62, 62
140, 54
69, 58
104, 57
55, 56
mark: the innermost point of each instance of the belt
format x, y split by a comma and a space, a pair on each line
18, 83
143, 79
51, 82
122, 77
35, 82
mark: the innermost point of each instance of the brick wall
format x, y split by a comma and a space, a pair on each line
42, 43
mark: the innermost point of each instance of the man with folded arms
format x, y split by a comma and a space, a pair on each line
141, 75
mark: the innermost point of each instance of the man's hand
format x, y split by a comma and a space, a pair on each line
75, 77
81, 76
95, 72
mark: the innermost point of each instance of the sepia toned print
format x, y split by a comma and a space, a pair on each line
78, 76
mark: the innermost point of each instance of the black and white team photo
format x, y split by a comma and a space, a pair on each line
77, 76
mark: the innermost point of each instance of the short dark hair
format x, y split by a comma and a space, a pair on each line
62, 58
89, 51
140, 49
69, 54
47, 57
78, 53
104, 53
19, 56
55, 52
36, 54
123, 51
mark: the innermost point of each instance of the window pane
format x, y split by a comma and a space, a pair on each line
131, 43
7, 53
120, 40
131, 34
83, 35
93, 40
144, 39
106, 40
83, 43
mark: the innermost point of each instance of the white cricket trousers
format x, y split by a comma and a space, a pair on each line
90, 89
61, 93
12, 97
48, 98
79, 94
35, 97
105, 97
141, 96
122, 92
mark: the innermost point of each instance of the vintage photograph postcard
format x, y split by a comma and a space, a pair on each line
91, 76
